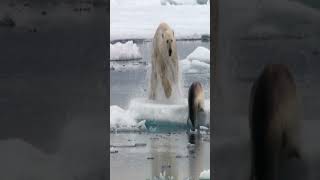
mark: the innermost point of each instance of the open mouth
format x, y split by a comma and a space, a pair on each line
170, 52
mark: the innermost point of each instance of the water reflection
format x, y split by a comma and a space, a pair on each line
196, 155
173, 162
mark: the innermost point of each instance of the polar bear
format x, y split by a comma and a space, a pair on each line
274, 122
164, 62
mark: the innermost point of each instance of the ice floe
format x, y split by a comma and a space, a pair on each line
205, 175
143, 114
194, 67
120, 118
201, 54
197, 62
124, 51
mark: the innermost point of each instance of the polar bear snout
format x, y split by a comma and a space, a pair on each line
169, 45
170, 51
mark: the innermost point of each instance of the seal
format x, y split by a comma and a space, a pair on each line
195, 102
274, 122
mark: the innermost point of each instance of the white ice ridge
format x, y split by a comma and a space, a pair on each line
197, 62
141, 109
119, 118
201, 54
136, 19
195, 66
205, 175
124, 51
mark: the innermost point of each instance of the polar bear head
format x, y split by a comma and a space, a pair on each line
169, 41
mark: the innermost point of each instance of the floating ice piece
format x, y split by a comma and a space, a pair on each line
142, 125
204, 175
204, 128
144, 109
124, 51
194, 67
119, 118
152, 114
201, 54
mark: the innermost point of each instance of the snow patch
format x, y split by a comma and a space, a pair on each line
136, 19
205, 174
201, 54
142, 109
124, 51
194, 67
119, 118
197, 62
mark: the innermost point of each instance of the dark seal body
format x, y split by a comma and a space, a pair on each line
274, 122
195, 102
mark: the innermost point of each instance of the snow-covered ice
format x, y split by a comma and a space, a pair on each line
120, 118
205, 174
201, 54
140, 110
124, 51
197, 62
194, 66
137, 19
183, 2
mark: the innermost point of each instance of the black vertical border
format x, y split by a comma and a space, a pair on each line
107, 85
214, 17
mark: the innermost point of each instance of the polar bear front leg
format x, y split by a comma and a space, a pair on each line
164, 80
166, 87
153, 80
